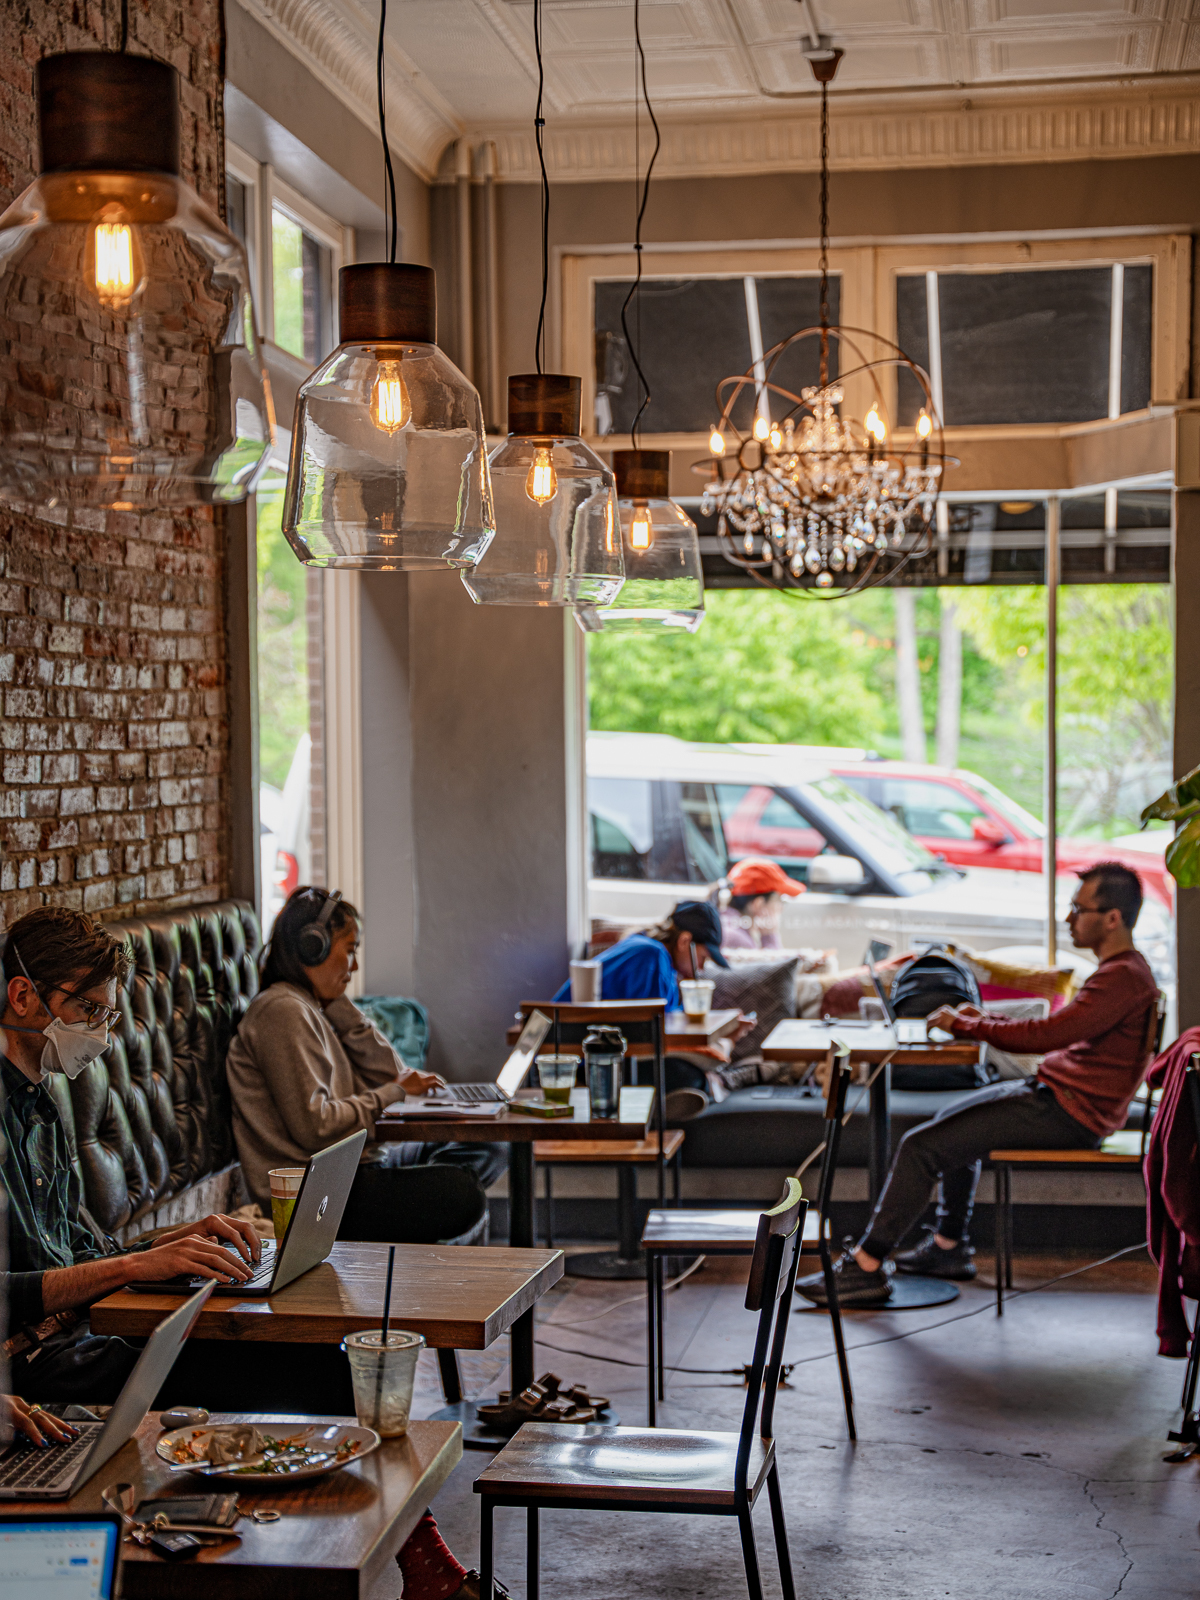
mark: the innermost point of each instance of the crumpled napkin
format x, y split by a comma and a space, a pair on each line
234, 1444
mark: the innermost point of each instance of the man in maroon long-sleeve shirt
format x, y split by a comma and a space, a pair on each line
1095, 1056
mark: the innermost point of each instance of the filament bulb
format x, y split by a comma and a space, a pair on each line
875, 425
114, 260
776, 436
639, 528
716, 442
390, 406
924, 425
762, 428
542, 483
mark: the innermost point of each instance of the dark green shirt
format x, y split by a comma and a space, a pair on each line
44, 1194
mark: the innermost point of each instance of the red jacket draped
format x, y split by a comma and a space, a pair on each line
1173, 1193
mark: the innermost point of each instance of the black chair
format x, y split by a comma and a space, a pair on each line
665, 1469
418, 1205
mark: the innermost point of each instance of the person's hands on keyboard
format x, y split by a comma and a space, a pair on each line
187, 1258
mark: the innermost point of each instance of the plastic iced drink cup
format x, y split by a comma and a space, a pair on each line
285, 1186
382, 1376
696, 994
557, 1075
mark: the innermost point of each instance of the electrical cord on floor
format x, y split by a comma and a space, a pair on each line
892, 1338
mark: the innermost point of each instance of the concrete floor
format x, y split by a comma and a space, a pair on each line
997, 1459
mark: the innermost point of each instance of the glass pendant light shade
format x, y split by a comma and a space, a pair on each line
389, 467
130, 370
664, 579
558, 541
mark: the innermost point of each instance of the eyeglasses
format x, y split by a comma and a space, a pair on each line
94, 1013
1076, 910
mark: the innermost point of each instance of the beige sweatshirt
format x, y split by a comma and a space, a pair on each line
303, 1077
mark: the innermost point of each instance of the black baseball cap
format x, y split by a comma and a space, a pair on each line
702, 921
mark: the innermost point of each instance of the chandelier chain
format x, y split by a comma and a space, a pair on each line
824, 234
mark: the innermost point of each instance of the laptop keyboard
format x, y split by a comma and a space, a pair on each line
473, 1091
24, 1466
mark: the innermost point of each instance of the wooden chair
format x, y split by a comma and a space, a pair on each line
627, 1155
596, 1468
1003, 1162
690, 1233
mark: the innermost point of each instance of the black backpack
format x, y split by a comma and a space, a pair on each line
935, 979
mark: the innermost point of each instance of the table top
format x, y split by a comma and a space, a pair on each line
679, 1033
510, 1127
605, 1151
461, 1297
797, 1039
1065, 1158
336, 1537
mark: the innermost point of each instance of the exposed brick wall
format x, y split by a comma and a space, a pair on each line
114, 736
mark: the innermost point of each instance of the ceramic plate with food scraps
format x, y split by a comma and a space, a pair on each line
266, 1451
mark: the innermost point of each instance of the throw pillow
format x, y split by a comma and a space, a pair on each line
769, 988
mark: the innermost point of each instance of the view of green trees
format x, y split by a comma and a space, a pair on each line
282, 640
768, 668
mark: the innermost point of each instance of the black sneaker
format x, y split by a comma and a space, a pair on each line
854, 1286
929, 1260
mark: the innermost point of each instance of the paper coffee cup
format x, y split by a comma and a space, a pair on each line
285, 1186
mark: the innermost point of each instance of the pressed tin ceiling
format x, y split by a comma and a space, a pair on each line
466, 67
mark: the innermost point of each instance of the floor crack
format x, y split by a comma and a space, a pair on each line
1100, 1516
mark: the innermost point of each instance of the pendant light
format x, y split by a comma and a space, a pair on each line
130, 369
388, 468
557, 536
558, 542
664, 576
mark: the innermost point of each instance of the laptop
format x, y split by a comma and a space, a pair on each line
907, 1030
512, 1073
311, 1230
30, 1473
61, 1555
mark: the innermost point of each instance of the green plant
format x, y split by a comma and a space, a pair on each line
1181, 805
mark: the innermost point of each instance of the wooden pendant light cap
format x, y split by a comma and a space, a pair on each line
99, 111
642, 474
544, 405
385, 302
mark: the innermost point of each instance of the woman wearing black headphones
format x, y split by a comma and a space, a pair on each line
306, 1067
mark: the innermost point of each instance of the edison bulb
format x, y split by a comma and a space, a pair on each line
875, 424
114, 260
776, 436
716, 442
390, 406
924, 425
639, 528
542, 483
762, 428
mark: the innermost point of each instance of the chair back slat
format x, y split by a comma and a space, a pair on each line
772, 1279
636, 1018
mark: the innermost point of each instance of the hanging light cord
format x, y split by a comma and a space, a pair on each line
539, 123
390, 191
635, 287
824, 234
124, 45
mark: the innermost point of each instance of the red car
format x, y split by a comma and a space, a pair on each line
968, 820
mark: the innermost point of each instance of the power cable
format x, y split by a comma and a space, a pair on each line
539, 123
635, 288
390, 190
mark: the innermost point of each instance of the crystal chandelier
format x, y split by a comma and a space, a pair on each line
816, 499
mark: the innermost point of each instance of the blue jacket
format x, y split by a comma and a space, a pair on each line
638, 968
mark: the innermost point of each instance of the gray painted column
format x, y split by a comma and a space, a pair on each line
1187, 729
472, 800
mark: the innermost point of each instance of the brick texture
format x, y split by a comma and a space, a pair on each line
114, 727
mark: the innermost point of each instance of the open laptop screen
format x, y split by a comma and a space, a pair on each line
527, 1046
59, 1557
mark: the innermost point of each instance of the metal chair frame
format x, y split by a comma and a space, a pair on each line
769, 1292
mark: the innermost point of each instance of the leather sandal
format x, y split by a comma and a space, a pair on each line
578, 1392
532, 1405
470, 1588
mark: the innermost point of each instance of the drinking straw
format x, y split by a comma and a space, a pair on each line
387, 1317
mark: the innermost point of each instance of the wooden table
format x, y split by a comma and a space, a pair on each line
678, 1032
337, 1537
520, 1134
799, 1040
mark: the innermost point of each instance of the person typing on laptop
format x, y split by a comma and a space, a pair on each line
306, 1067
61, 973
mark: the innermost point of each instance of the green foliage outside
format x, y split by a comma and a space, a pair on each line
287, 272
765, 668
282, 640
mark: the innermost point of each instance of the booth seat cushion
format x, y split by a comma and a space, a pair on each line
151, 1118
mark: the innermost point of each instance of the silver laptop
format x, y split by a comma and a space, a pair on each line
30, 1473
512, 1073
311, 1230
907, 1030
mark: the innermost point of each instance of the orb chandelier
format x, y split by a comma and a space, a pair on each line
813, 499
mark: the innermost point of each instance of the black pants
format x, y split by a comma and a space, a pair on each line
486, 1161
949, 1149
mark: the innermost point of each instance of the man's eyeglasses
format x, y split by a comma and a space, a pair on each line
94, 1013
1076, 910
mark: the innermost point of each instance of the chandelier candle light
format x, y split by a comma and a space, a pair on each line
815, 499
557, 540
129, 363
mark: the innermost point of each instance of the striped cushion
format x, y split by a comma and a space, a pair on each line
766, 987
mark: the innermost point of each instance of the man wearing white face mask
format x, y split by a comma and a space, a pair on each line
62, 971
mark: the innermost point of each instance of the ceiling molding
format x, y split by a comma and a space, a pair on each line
1006, 129
337, 43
